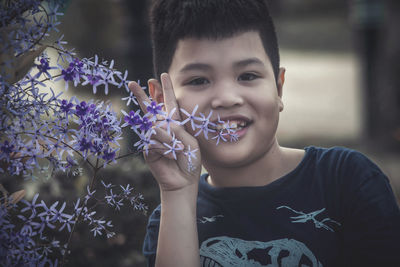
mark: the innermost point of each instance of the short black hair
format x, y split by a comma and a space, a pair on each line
173, 20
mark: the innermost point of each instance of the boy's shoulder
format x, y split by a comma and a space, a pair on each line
342, 160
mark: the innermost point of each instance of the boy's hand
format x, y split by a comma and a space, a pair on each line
170, 173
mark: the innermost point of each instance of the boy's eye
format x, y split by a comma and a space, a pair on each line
247, 77
198, 81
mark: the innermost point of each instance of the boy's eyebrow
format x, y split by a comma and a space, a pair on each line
237, 64
195, 66
248, 61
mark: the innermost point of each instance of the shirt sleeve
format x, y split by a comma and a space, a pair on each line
371, 232
151, 237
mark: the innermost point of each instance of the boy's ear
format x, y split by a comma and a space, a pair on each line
155, 90
281, 81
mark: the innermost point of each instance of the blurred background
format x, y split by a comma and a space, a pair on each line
342, 89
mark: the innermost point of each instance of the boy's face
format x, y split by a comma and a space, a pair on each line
232, 77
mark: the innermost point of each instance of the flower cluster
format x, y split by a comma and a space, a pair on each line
99, 130
26, 137
29, 244
117, 200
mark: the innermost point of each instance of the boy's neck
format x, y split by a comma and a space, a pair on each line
277, 162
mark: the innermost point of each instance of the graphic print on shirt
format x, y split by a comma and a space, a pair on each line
226, 251
209, 219
305, 217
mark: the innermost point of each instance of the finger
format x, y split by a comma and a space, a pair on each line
161, 135
184, 138
180, 134
165, 143
187, 139
157, 151
169, 97
140, 95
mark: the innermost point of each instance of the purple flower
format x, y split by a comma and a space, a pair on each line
68, 74
60, 42
108, 155
145, 124
89, 194
88, 216
124, 82
233, 137
82, 109
133, 119
174, 147
154, 108
43, 67
127, 190
111, 198
31, 205
168, 120
220, 136
77, 66
205, 125
190, 117
84, 144
107, 186
6, 147
140, 206
67, 222
32, 80
66, 106
118, 204
191, 154
47, 212
70, 162
97, 146
130, 98
109, 79
145, 141
97, 230
58, 215
54, 11
94, 80
40, 226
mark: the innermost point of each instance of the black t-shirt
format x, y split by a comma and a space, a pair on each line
336, 208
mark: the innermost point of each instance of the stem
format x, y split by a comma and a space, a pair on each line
62, 142
21, 10
137, 153
96, 169
5, 194
41, 37
44, 80
127, 155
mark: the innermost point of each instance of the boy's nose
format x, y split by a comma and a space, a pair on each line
226, 96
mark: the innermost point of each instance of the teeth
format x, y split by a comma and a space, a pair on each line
234, 125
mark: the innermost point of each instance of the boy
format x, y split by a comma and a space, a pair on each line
260, 204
